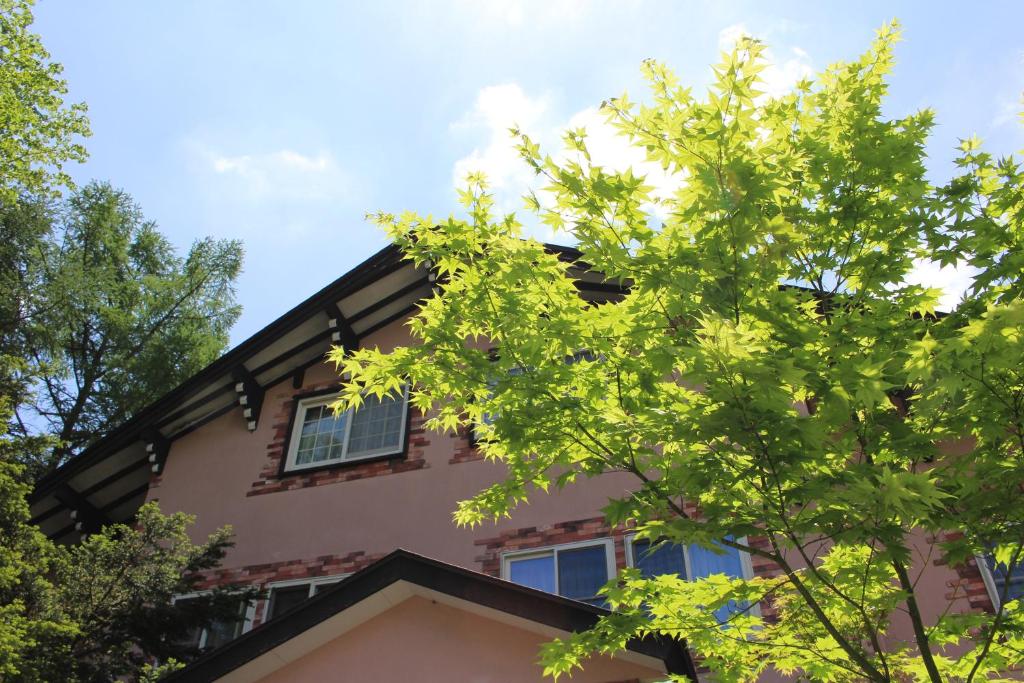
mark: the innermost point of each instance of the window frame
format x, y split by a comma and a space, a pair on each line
989, 578
313, 583
745, 562
510, 556
303, 402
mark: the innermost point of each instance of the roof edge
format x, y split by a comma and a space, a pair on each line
458, 582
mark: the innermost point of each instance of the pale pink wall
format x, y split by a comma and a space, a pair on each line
209, 472
420, 640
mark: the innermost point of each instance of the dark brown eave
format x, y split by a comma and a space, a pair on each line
403, 566
109, 478
209, 394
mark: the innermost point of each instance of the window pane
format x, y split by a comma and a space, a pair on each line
222, 632
320, 587
195, 635
581, 572
536, 572
706, 562
999, 576
663, 559
322, 437
377, 425
283, 599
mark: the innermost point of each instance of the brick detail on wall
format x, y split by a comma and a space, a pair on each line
465, 450
969, 584
271, 480
764, 568
259, 575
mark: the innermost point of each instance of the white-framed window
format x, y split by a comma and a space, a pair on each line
689, 562
219, 632
996, 577
284, 595
572, 570
319, 437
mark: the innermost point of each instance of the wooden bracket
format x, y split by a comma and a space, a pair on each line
250, 396
341, 331
88, 518
157, 448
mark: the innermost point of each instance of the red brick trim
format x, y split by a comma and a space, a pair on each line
969, 584
272, 480
260, 575
465, 449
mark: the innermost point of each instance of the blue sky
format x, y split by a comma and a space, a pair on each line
284, 123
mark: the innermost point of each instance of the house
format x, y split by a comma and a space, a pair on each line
320, 505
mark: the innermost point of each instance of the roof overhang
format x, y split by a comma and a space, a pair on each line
392, 580
109, 480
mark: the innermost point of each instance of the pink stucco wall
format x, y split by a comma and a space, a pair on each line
210, 471
423, 641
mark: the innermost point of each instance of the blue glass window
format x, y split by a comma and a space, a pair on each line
655, 560
581, 572
535, 572
659, 559
1000, 577
576, 572
704, 562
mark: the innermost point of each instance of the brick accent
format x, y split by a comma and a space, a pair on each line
260, 575
765, 569
969, 584
271, 480
465, 449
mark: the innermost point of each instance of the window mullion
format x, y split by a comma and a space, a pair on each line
349, 416
558, 580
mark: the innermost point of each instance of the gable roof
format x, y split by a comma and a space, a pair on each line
257, 652
109, 480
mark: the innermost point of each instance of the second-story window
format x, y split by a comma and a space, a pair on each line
319, 437
688, 562
574, 570
1001, 580
219, 632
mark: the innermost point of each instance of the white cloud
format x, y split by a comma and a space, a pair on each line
284, 174
952, 280
498, 108
780, 75
615, 152
728, 36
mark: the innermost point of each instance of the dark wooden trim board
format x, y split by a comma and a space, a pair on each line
402, 565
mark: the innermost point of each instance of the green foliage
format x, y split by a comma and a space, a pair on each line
101, 609
117, 587
38, 136
115, 317
38, 132
769, 364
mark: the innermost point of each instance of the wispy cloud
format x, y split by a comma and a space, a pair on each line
284, 174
